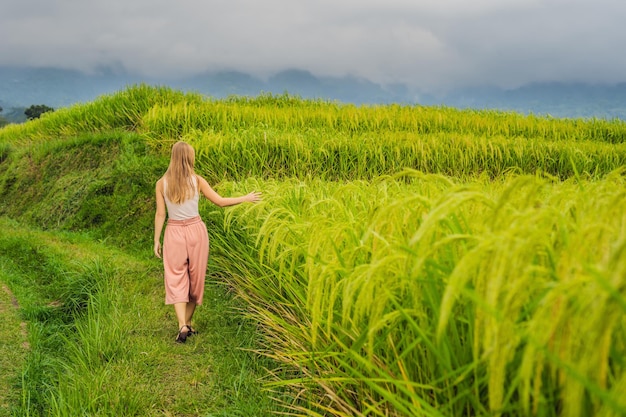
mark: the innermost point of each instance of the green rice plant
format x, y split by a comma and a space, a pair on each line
283, 136
423, 297
282, 278
163, 115
236, 139
286, 113
274, 154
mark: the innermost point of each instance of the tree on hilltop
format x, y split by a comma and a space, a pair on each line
36, 110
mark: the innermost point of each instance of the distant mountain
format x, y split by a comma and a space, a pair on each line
557, 99
293, 81
22, 87
56, 87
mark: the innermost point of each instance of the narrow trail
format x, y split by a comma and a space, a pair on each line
13, 348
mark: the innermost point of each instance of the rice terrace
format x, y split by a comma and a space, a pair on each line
405, 261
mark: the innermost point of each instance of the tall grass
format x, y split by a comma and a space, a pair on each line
423, 297
13, 347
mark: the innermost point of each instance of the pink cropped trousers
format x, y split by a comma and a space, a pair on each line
185, 259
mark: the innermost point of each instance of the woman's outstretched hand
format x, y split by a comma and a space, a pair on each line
253, 197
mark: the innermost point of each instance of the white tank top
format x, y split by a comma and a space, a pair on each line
188, 209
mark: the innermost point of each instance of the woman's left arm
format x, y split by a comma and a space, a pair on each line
220, 201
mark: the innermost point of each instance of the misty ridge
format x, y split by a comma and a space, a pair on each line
21, 87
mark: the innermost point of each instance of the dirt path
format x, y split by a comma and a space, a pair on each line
13, 348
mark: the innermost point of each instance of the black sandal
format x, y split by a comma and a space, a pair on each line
182, 336
191, 331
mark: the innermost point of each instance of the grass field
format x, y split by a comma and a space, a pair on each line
404, 261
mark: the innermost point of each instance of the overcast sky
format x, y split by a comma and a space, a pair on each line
430, 44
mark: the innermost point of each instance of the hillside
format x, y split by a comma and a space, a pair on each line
405, 260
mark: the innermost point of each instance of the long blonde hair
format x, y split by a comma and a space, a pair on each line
180, 174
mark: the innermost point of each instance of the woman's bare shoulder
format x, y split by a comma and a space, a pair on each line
201, 179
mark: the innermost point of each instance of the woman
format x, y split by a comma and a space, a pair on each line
185, 241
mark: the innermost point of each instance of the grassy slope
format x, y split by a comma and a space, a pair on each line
92, 182
92, 292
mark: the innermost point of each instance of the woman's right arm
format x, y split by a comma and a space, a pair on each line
159, 218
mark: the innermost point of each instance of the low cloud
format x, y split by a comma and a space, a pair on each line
427, 44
